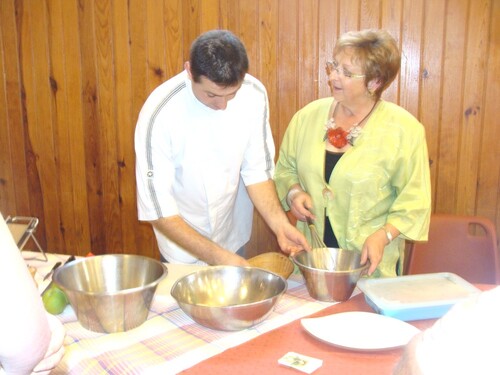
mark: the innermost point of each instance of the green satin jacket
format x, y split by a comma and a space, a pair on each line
383, 178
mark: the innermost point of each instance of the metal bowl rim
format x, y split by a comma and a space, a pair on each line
114, 293
285, 287
299, 264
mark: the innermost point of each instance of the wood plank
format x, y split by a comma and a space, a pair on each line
287, 65
328, 24
307, 85
108, 127
60, 108
369, 14
268, 52
209, 15
452, 96
410, 61
191, 22
91, 123
79, 241
145, 242
11, 120
472, 111
248, 34
348, 15
174, 39
125, 128
391, 19
45, 196
262, 238
488, 186
431, 81
155, 48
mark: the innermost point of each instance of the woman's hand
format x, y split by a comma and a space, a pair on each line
300, 203
373, 249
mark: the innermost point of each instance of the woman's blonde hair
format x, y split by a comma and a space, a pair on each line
376, 51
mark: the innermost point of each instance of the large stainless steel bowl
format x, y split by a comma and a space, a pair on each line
111, 293
330, 274
228, 298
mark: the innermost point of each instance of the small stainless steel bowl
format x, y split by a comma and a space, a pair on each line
228, 298
111, 293
330, 274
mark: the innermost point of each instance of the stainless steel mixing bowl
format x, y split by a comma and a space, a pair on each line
330, 274
111, 293
228, 298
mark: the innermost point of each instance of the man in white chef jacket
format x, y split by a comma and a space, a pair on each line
204, 154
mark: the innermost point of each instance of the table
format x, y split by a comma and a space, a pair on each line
260, 355
169, 341
251, 351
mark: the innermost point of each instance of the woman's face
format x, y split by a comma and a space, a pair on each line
346, 78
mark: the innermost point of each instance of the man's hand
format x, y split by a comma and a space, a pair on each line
291, 241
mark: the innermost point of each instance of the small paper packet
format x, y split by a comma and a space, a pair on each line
300, 362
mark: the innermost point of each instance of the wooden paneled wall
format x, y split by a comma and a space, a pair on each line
75, 73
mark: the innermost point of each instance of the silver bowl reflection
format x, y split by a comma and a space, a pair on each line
228, 298
330, 274
111, 293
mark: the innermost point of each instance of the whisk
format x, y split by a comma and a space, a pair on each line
322, 256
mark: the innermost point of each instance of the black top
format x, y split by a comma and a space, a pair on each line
331, 160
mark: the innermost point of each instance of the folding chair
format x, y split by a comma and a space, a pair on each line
465, 245
23, 229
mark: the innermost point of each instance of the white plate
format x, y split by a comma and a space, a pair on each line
360, 330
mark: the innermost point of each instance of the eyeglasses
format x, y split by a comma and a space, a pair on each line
334, 65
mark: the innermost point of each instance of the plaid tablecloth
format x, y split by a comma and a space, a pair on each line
169, 341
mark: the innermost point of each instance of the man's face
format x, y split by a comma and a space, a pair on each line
211, 94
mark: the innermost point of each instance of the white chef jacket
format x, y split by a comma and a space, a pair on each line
195, 162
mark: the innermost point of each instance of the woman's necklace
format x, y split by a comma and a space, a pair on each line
338, 137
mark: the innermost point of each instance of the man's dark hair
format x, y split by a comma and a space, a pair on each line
219, 56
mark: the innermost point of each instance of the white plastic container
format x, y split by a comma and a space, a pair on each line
416, 297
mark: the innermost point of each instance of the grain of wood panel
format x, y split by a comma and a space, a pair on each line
91, 139
472, 111
488, 191
287, 65
191, 22
210, 13
174, 38
411, 39
247, 31
42, 180
431, 79
156, 55
451, 114
308, 52
327, 34
268, 54
75, 74
369, 14
63, 121
391, 20
125, 125
348, 15
12, 153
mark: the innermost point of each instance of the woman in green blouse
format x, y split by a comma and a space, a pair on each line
356, 164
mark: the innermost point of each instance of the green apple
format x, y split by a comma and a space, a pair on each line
54, 300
